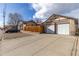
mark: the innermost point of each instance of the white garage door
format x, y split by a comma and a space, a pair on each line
63, 29
50, 29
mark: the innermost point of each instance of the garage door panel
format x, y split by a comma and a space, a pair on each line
63, 29
50, 29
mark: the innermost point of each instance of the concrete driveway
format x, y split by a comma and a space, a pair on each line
41, 45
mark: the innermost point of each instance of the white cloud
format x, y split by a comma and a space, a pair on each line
36, 6
73, 13
44, 10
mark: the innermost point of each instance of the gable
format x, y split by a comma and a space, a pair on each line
59, 19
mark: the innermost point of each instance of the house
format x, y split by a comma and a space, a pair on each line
32, 26
30, 23
59, 24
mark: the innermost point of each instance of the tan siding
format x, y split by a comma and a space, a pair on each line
33, 28
72, 27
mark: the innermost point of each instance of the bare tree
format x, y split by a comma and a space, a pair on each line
14, 19
38, 21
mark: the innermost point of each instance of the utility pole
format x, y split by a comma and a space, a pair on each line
4, 14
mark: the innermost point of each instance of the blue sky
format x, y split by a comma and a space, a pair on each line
25, 10
40, 10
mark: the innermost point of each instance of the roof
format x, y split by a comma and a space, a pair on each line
54, 16
24, 22
57, 15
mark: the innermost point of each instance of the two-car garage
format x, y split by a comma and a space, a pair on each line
61, 29
58, 24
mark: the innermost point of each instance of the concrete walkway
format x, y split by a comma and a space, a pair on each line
41, 45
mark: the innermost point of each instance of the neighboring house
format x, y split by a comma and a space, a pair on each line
8, 27
59, 24
32, 26
30, 23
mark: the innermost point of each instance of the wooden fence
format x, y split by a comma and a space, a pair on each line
33, 28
